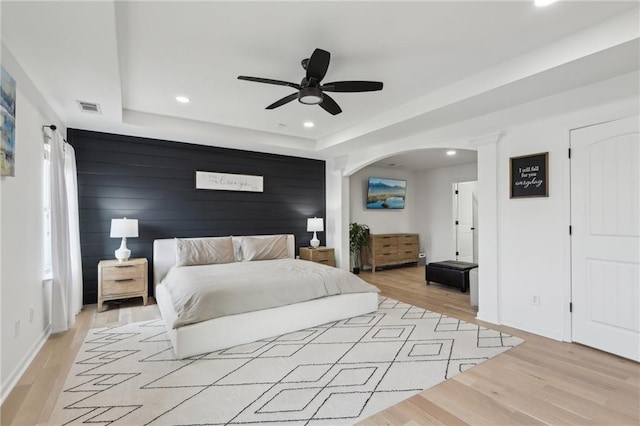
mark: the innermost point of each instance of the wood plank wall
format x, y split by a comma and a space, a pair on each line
154, 181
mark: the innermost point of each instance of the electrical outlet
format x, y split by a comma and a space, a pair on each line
17, 328
32, 314
535, 300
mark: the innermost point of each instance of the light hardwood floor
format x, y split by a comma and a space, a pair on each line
542, 381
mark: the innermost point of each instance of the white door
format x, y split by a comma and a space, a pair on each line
605, 244
464, 220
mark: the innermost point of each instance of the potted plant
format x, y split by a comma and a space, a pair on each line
358, 238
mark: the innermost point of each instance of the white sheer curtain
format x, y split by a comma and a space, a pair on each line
65, 236
71, 181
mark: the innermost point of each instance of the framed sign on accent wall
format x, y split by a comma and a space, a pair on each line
529, 175
229, 182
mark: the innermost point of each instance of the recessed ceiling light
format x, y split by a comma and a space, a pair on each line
308, 124
543, 3
182, 99
451, 152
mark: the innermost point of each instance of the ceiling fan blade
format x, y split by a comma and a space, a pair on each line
318, 65
283, 101
352, 86
270, 81
329, 105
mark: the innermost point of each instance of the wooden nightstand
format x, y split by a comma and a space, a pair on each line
321, 254
120, 280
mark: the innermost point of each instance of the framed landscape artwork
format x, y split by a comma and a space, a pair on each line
8, 123
383, 193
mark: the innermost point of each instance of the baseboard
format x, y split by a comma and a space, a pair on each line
557, 335
27, 359
487, 318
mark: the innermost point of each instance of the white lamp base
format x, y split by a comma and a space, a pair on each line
315, 242
123, 253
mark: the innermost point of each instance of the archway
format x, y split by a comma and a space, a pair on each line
340, 195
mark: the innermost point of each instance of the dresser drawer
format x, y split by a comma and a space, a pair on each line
123, 286
322, 255
385, 244
408, 248
382, 258
407, 239
115, 273
329, 262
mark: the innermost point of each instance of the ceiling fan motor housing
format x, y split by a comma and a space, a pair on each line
310, 95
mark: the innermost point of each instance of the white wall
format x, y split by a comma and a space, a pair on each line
21, 285
531, 232
435, 209
337, 220
383, 221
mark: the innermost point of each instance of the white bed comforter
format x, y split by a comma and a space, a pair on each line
204, 292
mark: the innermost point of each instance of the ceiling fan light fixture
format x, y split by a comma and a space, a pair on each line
310, 96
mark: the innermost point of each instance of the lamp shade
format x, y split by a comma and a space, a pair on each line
124, 228
315, 224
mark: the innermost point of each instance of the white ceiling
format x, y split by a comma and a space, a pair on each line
428, 159
440, 62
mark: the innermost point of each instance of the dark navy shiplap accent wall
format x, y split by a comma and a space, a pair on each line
154, 181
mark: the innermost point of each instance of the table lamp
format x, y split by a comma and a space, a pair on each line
124, 228
315, 224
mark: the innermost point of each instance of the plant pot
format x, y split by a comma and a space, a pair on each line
356, 270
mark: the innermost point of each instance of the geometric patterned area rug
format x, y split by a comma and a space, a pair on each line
335, 374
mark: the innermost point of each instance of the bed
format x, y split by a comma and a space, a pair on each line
192, 335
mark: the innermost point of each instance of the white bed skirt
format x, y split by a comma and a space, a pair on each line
225, 332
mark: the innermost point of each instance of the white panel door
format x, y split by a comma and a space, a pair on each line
605, 245
464, 220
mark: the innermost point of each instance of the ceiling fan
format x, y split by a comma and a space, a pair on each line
310, 91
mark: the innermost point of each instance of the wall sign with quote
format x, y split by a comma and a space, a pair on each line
530, 175
228, 182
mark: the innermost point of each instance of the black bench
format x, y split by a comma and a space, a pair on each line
450, 272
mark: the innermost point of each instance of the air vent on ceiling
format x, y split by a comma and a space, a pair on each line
89, 107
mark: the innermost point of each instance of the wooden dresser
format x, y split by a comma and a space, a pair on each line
392, 249
324, 255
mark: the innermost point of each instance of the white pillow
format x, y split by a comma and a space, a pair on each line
204, 251
264, 248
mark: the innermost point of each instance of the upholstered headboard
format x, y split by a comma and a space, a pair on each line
164, 254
